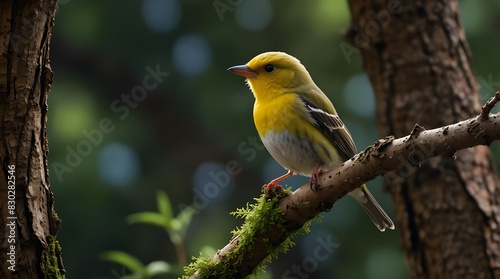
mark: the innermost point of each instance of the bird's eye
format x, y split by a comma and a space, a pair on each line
269, 68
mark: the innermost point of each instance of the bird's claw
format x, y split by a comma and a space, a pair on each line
314, 182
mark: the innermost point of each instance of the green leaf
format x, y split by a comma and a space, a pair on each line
152, 218
159, 267
182, 221
164, 206
125, 259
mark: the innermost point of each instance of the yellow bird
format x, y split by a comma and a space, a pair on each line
299, 125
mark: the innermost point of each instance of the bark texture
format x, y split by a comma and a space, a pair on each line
25, 80
448, 210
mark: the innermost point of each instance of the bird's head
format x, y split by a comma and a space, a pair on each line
273, 73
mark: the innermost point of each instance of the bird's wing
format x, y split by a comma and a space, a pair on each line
333, 128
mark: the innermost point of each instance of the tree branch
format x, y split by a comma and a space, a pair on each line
393, 158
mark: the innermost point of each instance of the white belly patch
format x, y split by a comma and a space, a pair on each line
292, 152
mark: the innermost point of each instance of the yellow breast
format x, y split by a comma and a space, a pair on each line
276, 115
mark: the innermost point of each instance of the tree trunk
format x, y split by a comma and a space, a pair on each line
28, 244
448, 210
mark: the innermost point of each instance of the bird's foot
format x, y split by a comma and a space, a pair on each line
272, 189
314, 182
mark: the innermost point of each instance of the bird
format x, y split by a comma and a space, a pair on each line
299, 125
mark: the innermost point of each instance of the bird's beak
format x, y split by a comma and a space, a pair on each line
243, 70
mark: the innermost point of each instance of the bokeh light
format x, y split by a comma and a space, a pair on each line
191, 55
161, 15
73, 112
254, 15
359, 97
212, 182
119, 164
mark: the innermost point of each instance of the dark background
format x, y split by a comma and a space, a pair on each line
199, 118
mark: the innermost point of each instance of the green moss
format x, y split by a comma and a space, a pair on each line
56, 221
209, 269
51, 256
259, 217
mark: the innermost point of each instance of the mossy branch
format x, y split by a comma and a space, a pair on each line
390, 156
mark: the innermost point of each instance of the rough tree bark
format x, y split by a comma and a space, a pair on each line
28, 244
448, 210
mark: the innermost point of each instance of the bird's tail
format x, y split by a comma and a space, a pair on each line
373, 208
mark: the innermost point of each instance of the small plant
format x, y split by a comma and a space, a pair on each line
175, 227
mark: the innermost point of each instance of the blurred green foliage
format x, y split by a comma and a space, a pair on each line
176, 229
121, 128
